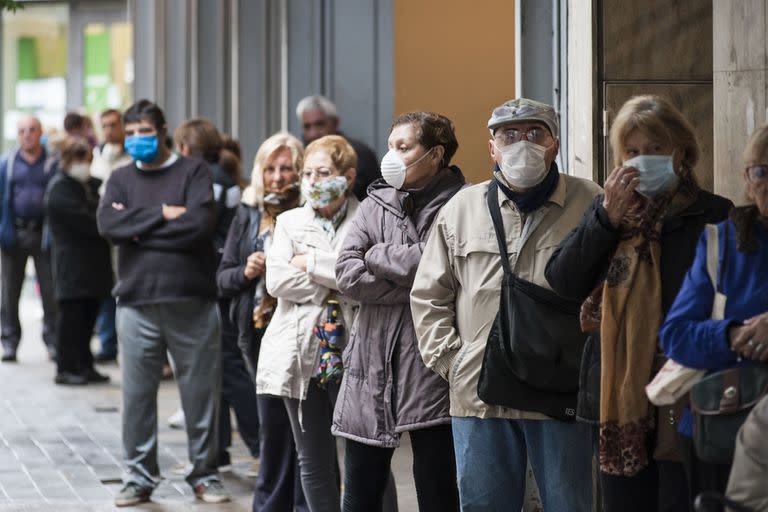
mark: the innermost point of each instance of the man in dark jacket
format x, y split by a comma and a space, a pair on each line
24, 176
318, 118
159, 212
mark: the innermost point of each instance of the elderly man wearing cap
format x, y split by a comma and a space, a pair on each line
455, 300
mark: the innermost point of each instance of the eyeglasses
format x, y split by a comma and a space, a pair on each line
757, 173
320, 173
509, 136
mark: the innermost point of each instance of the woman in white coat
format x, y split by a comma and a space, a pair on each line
301, 275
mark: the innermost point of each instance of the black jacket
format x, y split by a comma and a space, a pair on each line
581, 261
367, 167
81, 257
226, 194
233, 284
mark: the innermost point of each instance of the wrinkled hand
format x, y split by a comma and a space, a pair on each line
620, 193
173, 212
255, 265
300, 262
750, 339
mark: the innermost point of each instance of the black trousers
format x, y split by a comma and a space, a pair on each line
661, 486
14, 263
278, 486
237, 392
367, 470
76, 320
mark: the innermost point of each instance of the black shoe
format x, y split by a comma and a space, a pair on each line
95, 377
105, 358
70, 379
9, 357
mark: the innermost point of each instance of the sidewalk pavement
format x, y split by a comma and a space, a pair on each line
60, 447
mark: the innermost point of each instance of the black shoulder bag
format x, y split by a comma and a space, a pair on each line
533, 353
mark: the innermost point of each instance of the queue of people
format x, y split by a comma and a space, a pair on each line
505, 325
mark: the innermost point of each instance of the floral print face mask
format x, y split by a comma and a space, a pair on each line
325, 192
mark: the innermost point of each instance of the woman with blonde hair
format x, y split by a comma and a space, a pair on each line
692, 338
627, 260
298, 360
274, 189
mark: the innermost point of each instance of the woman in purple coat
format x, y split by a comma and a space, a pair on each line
387, 389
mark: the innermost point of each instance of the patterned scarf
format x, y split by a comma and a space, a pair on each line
627, 308
331, 225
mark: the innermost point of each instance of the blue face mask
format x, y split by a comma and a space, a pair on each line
142, 148
657, 174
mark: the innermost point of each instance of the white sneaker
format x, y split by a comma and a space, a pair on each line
253, 471
177, 420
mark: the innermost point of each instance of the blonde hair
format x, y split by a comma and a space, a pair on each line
756, 150
657, 118
253, 195
341, 152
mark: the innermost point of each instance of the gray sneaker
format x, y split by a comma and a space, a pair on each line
211, 492
132, 494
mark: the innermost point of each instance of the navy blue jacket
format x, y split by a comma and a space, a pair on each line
7, 226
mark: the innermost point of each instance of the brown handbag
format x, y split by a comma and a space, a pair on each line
667, 444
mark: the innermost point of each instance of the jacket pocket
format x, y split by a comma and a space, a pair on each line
457, 362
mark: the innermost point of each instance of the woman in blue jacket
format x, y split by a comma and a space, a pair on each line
689, 335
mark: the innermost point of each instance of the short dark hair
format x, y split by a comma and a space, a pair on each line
73, 121
434, 130
145, 110
111, 112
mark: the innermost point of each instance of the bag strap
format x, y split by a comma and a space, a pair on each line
713, 254
492, 198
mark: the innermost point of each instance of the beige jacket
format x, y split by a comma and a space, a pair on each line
748, 483
455, 296
290, 353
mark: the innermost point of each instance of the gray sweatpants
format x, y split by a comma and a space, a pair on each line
190, 330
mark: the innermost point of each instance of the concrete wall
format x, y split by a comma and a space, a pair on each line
740, 87
454, 57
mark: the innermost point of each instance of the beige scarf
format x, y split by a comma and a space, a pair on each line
630, 317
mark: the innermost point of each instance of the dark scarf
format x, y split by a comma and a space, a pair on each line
532, 199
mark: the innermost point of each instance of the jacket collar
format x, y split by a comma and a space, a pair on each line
557, 197
314, 234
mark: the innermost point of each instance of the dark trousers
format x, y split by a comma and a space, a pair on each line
278, 486
237, 392
661, 486
703, 476
76, 320
13, 263
367, 471
105, 326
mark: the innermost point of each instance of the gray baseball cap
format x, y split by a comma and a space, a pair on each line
523, 109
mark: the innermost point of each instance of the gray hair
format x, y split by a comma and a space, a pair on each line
314, 103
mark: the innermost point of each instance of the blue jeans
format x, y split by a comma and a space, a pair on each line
105, 325
491, 459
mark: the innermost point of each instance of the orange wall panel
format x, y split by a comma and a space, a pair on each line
456, 57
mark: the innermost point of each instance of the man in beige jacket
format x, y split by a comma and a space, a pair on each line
455, 299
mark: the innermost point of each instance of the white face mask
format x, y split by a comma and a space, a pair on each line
81, 171
393, 169
522, 164
657, 174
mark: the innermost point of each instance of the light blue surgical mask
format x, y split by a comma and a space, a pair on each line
657, 174
143, 148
